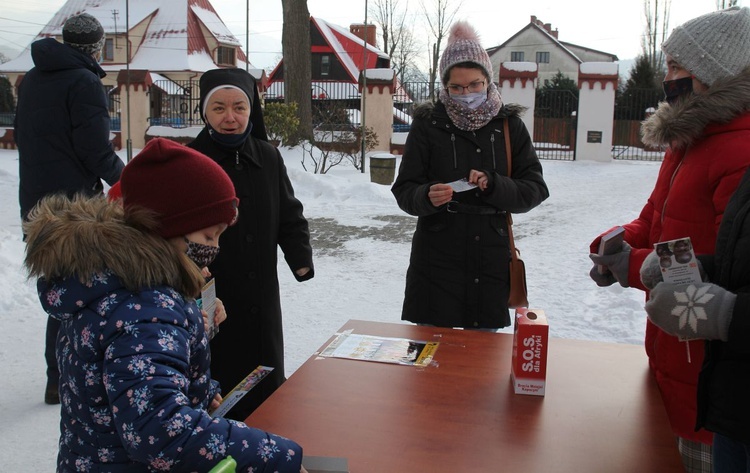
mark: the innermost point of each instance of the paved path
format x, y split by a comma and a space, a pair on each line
329, 237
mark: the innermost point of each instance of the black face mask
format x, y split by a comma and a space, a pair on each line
674, 89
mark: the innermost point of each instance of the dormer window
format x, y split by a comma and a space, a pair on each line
225, 56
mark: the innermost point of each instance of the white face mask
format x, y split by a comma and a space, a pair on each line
472, 99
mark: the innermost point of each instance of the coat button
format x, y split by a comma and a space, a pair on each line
251, 275
476, 238
476, 281
249, 238
254, 310
476, 324
479, 150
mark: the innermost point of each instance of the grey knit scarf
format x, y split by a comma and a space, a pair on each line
467, 119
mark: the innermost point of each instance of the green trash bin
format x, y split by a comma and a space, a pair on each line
382, 168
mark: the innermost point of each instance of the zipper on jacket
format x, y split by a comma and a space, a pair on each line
671, 181
492, 140
453, 143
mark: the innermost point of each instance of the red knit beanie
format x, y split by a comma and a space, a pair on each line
187, 190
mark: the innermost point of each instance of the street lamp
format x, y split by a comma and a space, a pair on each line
364, 91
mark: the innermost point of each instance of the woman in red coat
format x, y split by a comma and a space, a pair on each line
705, 123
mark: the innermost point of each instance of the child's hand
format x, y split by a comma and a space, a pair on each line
215, 402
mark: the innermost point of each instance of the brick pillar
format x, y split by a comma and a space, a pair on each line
517, 82
140, 81
597, 84
378, 115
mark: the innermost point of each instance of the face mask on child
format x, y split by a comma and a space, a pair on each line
202, 255
472, 99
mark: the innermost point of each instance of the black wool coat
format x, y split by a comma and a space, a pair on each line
270, 216
458, 269
62, 126
724, 380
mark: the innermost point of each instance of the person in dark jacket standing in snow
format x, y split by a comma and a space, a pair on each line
270, 218
62, 132
458, 271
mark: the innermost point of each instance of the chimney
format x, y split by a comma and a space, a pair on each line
554, 33
533, 19
548, 27
365, 31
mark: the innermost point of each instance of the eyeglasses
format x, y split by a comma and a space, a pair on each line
476, 86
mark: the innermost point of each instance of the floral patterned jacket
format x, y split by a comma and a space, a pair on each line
134, 364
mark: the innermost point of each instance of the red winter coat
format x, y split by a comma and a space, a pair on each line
709, 138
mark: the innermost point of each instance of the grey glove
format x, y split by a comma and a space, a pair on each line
700, 310
651, 271
617, 267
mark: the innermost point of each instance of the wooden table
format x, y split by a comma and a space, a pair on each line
602, 411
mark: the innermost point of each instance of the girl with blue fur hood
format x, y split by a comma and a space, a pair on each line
122, 277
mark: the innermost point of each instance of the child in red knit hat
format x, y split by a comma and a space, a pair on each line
135, 383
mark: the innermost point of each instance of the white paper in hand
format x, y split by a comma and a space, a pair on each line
462, 185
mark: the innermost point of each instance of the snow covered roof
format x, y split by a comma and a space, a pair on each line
347, 47
173, 38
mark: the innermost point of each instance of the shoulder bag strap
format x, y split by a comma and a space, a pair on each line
506, 132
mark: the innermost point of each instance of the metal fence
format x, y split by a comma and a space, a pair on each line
175, 104
631, 108
554, 133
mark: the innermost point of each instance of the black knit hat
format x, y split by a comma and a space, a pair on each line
244, 81
85, 33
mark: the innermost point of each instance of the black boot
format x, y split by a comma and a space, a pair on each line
51, 394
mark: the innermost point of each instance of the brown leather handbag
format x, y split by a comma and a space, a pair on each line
518, 295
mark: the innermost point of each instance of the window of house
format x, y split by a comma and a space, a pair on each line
225, 56
516, 56
325, 65
109, 49
542, 57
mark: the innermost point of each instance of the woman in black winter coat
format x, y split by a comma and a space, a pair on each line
270, 216
458, 271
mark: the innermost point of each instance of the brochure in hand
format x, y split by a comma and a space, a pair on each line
678, 265
677, 261
610, 244
240, 390
207, 302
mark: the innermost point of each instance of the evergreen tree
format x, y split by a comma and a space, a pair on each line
7, 103
640, 93
557, 98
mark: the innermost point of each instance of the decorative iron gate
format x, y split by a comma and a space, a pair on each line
175, 103
555, 123
631, 108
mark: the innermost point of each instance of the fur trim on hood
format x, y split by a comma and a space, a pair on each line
425, 109
75, 238
679, 125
